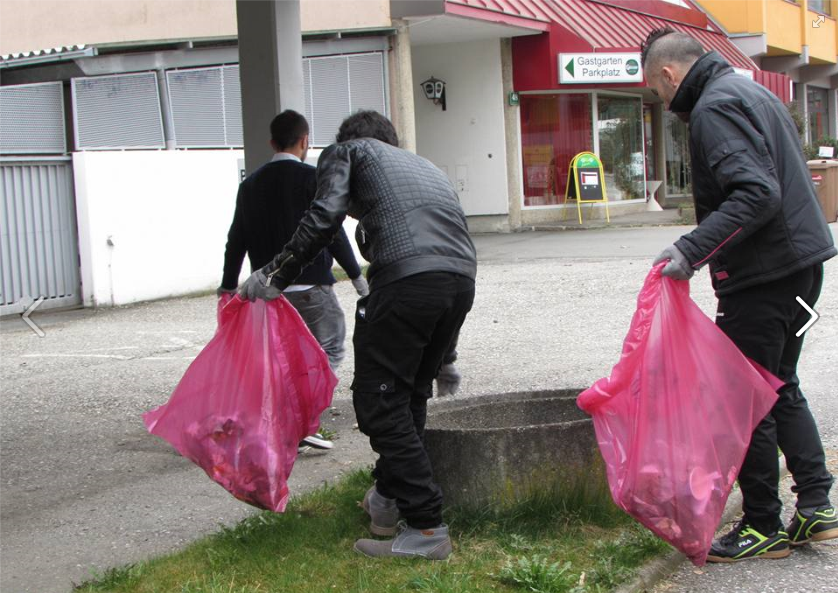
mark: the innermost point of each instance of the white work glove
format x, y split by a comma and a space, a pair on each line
361, 286
678, 267
448, 380
257, 287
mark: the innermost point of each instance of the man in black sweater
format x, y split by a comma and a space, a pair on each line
269, 206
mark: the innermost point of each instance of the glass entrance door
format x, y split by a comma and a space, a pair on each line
620, 130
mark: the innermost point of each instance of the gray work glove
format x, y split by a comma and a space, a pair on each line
221, 290
678, 267
448, 380
361, 286
257, 287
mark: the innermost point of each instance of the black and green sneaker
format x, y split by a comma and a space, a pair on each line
744, 543
813, 525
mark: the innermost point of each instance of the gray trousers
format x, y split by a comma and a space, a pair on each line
320, 309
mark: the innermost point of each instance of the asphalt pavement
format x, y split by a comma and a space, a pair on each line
83, 487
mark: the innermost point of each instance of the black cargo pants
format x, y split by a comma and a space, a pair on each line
762, 321
402, 332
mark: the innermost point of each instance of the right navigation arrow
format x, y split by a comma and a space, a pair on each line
811, 321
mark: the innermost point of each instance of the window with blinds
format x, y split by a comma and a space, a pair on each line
32, 119
206, 107
117, 111
336, 86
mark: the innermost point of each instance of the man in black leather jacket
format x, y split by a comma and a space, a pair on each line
423, 264
765, 239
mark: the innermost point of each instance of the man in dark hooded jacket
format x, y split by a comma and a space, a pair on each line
765, 239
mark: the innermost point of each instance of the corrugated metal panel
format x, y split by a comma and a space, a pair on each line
232, 106
32, 119
336, 86
38, 235
206, 107
330, 97
366, 79
197, 101
118, 111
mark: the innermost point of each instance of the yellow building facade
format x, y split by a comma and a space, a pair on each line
796, 37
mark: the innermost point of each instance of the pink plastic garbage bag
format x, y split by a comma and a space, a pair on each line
252, 394
674, 419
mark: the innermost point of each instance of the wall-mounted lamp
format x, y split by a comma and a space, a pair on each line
435, 91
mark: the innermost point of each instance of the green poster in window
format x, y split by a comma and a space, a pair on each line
586, 183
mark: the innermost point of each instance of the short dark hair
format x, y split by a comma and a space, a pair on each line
671, 45
368, 124
288, 128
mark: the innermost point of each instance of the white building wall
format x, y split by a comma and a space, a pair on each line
468, 139
153, 224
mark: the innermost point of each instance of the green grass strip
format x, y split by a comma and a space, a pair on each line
575, 542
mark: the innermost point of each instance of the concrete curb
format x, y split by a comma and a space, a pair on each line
658, 569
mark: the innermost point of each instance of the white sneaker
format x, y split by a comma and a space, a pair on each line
316, 441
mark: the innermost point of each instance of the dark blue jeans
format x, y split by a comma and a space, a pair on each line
402, 332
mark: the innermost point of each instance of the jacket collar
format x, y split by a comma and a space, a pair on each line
709, 66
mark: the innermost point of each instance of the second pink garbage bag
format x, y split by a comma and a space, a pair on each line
252, 394
674, 419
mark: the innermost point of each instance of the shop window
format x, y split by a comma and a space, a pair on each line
821, 6
818, 113
676, 141
620, 130
554, 128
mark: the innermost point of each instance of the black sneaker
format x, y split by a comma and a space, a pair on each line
813, 525
744, 542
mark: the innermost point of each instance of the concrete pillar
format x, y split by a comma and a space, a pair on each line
401, 87
270, 69
659, 133
512, 125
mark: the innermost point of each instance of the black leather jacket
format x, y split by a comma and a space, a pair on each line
759, 218
410, 219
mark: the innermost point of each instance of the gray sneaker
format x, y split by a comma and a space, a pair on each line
384, 515
432, 544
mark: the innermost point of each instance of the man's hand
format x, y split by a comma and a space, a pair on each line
361, 286
678, 267
257, 287
448, 380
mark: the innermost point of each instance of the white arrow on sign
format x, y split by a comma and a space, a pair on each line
29, 310
811, 321
818, 21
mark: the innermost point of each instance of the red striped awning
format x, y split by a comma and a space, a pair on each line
606, 27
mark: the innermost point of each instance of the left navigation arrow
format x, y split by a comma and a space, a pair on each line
569, 68
29, 310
